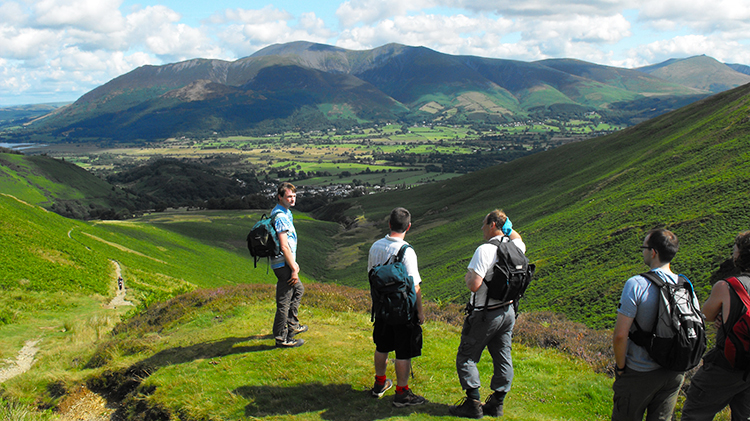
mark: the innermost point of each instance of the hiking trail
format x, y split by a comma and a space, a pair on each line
119, 299
23, 361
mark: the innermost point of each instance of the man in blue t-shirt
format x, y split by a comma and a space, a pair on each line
641, 385
289, 289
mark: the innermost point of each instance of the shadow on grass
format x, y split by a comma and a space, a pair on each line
207, 350
336, 402
116, 385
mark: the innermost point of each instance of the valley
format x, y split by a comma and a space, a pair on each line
386, 156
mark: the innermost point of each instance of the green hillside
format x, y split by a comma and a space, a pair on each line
208, 354
63, 187
582, 210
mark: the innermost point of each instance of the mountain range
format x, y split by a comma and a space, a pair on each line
304, 85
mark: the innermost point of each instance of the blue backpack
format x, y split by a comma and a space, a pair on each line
394, 299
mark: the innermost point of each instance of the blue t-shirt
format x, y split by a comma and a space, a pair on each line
640, 300
284, 222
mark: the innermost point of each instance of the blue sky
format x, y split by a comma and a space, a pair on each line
57, 50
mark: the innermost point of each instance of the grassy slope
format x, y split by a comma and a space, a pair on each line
584, 208
208, 354
40, 179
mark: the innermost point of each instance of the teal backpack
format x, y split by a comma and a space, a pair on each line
394, 299
262, 240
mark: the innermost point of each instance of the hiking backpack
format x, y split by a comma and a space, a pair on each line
737, 342
512, 273
678, 338
394, 299
262, 240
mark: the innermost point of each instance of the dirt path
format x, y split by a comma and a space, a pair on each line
119, 299
22, 363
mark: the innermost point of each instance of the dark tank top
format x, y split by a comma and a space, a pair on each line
736, 307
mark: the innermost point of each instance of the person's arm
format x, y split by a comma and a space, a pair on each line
473, 281
420, 309
289, 258
718, 302
620, 341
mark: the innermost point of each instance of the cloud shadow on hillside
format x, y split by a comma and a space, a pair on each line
336, 402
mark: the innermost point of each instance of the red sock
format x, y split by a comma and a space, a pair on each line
380, 380
401, 390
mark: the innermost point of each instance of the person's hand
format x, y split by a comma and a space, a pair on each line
421, 318
295, 275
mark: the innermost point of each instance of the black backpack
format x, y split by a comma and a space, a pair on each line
737, 343
512, 274
394, 299
678, 338
262, 240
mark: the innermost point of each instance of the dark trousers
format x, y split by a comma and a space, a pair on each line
288, 298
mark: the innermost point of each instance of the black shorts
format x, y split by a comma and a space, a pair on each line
406, 339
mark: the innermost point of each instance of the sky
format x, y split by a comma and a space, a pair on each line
57, 50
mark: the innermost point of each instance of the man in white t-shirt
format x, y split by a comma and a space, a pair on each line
405, 340
488, 327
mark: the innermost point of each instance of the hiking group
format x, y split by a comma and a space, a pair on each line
659, 332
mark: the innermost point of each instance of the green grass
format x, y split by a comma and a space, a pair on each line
209, 355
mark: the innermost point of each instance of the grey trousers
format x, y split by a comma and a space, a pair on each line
288, 298
651, 392
492, 330
711, 389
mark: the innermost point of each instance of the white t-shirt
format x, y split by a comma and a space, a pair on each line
388, 247
482, 263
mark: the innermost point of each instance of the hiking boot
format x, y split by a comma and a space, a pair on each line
467, 408
300, 329
378, 390
493, 406
408, 398
290, 343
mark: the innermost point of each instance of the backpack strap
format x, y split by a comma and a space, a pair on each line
739, 288
401, 253
636, 336
495, 243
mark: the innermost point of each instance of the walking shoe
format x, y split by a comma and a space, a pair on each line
408, 398
300, 329
467, 408
378, 390
290, 343
493, 406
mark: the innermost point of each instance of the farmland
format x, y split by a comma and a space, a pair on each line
384, 155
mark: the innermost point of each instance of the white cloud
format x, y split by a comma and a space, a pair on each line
12, 13
96, 15
693, 45
67, 47
26, 43
250, 30
368, 11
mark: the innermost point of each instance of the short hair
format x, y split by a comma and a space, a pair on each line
400, 220
498, 217
664, 242
283, 187
742, 241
